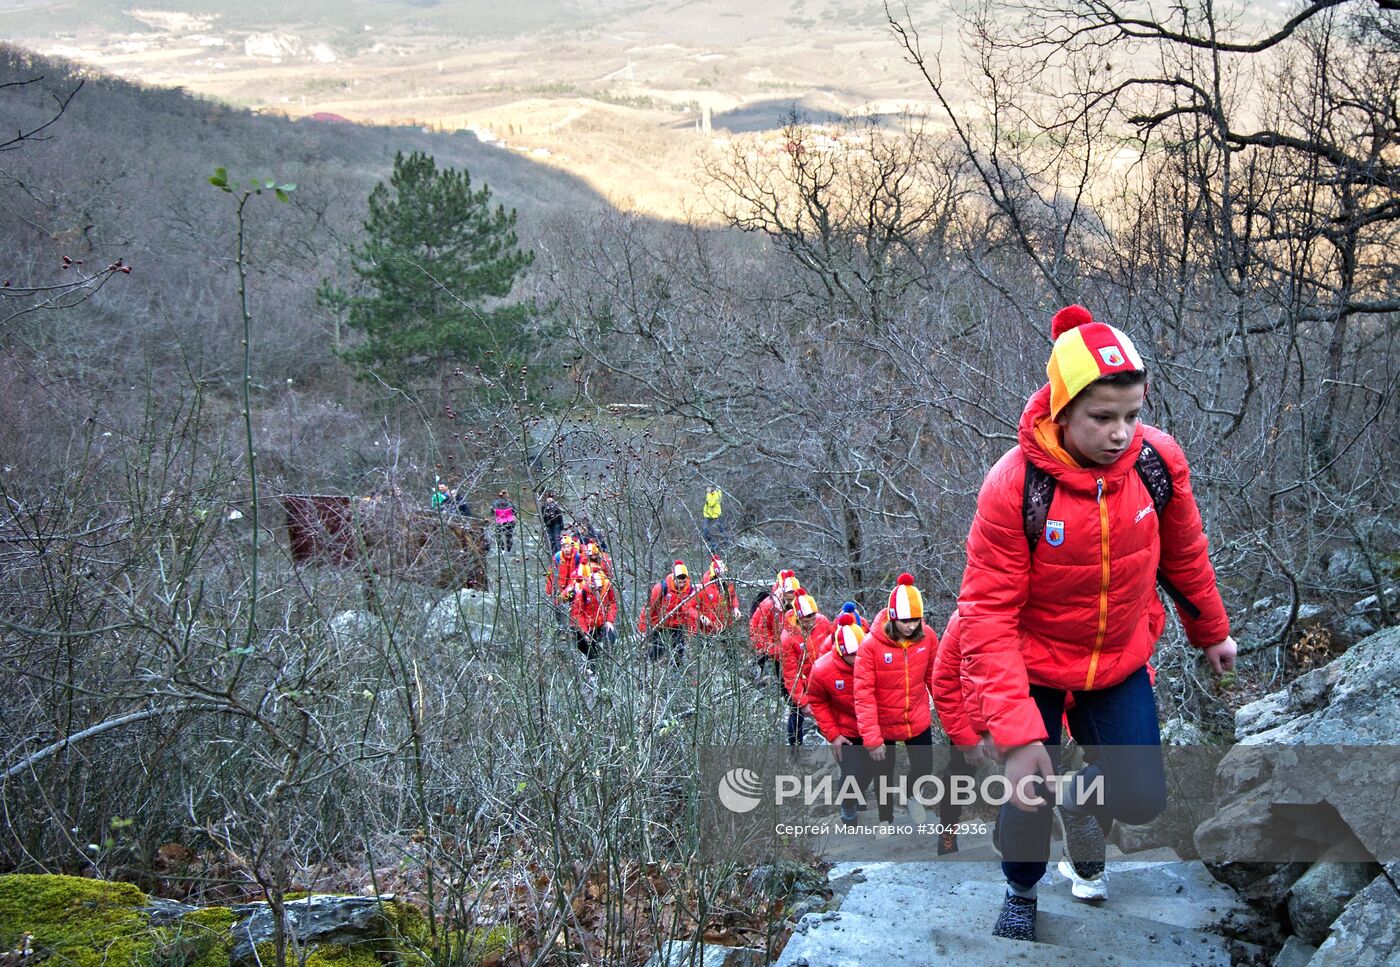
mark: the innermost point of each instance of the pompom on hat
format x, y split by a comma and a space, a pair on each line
848, 637
803, 604
1084, 351
853, 609
906, 603
787, 583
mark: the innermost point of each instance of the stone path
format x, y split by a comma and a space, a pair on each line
1161, 911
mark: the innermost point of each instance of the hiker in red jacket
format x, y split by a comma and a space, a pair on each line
800, 648
670, 614
598, 559
831, 694
1074, 527
717, 601
593, 610
894, 672
560, 578
766, 622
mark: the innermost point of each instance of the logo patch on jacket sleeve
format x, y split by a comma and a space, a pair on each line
840, 684
889, 658
1054, 532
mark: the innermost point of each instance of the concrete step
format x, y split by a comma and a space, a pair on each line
1159, 913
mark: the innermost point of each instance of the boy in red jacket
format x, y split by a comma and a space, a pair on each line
1073, 607
670, 614
831, 697
593, 610
802, 644
894, 675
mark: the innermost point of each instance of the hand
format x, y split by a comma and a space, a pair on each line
609, 628
877, 752
1023, 762
736, 613
836, 746
983, 751
1222, 656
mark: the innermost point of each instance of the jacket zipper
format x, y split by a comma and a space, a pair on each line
1103, 589
907, 702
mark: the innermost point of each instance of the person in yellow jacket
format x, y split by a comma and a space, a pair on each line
714, 519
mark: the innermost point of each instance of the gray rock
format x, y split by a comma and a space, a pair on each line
1354, 627
1295, 953
1353, 700
1367, 934
1265, 627
1320, 895
785, 878
1179, 731
345, 920
165, 912
350, 629
1372, 605
1348, 565
466, 613
688, 953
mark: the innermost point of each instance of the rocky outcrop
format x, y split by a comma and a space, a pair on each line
1312, 777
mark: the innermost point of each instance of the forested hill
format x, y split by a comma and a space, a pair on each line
122, 174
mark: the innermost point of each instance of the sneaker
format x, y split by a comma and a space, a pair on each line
1084, 889
1017, 919
1084, 842
947, 843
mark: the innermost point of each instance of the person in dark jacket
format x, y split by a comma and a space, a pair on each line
553, 517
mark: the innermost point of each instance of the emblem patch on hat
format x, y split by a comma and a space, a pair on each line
1054, 532
1111, 355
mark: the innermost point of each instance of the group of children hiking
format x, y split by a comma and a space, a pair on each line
1055, 623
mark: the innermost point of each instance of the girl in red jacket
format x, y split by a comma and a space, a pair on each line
831, 697
894, 675
717, 604
670, 614
803, 642
1072, 607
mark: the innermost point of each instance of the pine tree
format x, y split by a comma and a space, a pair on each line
435, 264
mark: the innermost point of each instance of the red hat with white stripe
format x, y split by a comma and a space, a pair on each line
848, 636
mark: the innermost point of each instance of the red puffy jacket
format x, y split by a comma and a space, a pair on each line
1082, 613
669, 607
717, 601
954, 697
800, 652
591, 609
831, 692
561, 575
893, 684
765, 629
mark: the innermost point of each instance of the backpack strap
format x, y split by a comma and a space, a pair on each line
1036, 495
1155, 476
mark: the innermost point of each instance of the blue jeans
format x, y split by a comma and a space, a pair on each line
1117, 726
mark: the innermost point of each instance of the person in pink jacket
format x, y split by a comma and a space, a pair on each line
894, 677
